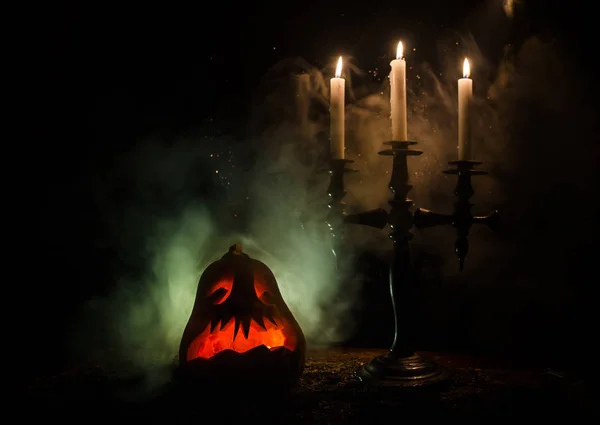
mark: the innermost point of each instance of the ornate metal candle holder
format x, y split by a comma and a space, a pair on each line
461, 218
336, 192
402, 366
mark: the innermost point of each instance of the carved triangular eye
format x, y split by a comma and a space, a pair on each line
221, 290
262, 289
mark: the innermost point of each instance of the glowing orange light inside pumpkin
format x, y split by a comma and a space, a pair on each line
208, 343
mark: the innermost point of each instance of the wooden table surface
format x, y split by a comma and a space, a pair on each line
328, 393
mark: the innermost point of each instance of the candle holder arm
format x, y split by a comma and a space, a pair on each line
377, 218
461, 218
424, 218
492, 220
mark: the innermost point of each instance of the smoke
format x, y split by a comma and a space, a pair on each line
172, 207
170, 213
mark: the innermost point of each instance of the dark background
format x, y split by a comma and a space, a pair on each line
103, 77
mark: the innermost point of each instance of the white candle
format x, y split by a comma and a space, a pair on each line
465, 98
336, 112
398, 96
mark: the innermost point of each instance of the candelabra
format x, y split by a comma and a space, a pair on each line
402, 366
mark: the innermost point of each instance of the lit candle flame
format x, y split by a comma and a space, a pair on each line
338, 69
466, 69
399, 51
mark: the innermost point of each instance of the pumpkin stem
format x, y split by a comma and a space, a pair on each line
236, 248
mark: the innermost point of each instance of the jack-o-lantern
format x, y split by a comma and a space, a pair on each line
240, 328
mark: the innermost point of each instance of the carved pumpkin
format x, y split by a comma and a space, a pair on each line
240, 328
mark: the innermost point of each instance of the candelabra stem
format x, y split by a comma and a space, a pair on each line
401, 367
463, 219
401, 272
336, 192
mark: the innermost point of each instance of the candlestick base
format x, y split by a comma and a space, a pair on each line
408, 372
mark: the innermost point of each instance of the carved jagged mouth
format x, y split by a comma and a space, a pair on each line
245, 322
225, 336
